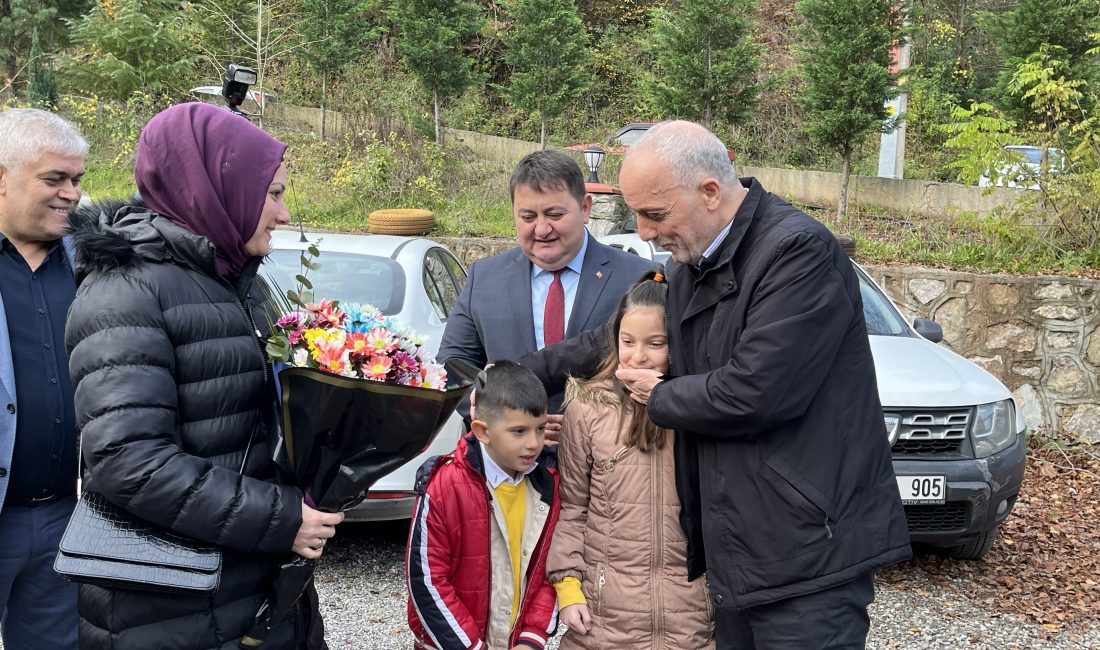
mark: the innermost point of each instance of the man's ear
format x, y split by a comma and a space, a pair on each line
481, 430
711, 190
586, 207
4, 181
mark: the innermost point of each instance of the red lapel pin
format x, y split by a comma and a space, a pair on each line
599, 274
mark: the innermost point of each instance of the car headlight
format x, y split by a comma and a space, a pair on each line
893, 425
994, 428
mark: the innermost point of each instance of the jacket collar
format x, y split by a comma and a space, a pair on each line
715, 278
468, 454
122, 234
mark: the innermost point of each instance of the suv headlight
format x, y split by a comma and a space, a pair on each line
893, 425
994, 428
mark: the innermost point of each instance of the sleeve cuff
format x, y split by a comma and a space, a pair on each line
569, 592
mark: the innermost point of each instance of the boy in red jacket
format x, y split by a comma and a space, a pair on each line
482, 525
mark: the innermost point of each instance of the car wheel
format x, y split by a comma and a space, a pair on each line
975, 548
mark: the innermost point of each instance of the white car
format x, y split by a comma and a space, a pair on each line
414, 280
955, 432
1027, 167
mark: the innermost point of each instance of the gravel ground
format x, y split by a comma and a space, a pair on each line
361, 584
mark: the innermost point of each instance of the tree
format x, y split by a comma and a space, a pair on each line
42, 89
548, 50
18, 21
431, 40
252, 32
706, 62
844, 58
123, 48
1033, 24
334, 33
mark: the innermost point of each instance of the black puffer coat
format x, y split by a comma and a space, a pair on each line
171, 384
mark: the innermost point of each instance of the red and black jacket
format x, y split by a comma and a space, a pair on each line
448, 563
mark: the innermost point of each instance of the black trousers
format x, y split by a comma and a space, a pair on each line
834, 619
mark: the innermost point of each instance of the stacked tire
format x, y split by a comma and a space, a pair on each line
401, 221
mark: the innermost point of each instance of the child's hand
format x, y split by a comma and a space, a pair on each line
577, 618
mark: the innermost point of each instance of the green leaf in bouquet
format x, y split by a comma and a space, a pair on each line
313, 250
304, 281
278, 348
310, 264
306, 297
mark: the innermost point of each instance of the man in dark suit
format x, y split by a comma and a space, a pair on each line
556, 284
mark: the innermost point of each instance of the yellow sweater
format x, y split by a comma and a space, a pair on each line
513, 503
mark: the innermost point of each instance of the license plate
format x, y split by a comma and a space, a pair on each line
922, 490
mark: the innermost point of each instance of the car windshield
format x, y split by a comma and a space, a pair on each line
1034, 155
347, 277
628, 138
881, 317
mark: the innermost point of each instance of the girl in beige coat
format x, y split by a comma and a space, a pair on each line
618, 558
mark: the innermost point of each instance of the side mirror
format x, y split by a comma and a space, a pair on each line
929, 329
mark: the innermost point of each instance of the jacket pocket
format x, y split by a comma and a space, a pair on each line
804, 489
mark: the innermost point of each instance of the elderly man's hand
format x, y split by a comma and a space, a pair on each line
639, 381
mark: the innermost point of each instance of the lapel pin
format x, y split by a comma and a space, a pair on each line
599, 274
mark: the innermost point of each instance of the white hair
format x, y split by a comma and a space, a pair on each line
26, 133
693, 154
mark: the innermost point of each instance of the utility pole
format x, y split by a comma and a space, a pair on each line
891, 150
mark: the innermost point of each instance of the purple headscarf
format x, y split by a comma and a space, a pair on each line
208, 170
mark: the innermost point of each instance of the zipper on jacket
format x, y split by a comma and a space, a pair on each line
828, 530
600, 581
489, 554
658, 557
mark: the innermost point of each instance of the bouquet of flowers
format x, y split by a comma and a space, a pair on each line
359, 396
354, 341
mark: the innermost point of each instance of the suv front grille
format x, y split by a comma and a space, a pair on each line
931, 432
930, 519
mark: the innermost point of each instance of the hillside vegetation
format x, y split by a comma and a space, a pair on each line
985, 73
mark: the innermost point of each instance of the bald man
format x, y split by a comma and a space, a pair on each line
789, 501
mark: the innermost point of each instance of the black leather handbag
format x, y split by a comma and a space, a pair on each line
107, 546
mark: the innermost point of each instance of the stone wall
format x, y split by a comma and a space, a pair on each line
1039, 335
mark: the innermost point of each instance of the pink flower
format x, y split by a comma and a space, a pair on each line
326, 314
333, 358
381, 341
291, 321
377, 367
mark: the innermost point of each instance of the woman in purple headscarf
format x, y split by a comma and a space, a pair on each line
172, 390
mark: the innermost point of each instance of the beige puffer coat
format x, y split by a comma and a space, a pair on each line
619, 533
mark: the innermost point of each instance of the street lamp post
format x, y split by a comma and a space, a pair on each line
593, 156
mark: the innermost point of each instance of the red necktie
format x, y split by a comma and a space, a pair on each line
553, 314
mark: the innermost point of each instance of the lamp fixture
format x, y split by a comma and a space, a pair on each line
593, 157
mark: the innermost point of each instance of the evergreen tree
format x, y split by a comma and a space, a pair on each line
547, 48
334, 33
432, 36
20, 18
706, 62
42, 90
845, 65
123, 48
